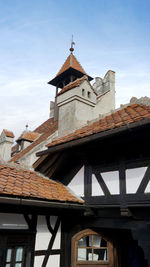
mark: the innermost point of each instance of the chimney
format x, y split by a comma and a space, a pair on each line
6, 141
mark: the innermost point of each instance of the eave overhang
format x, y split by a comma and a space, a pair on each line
57, 81
34, 203
93, 137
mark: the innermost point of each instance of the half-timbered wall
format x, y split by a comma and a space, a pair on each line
47, 232
77, 183
47, 244
128, 179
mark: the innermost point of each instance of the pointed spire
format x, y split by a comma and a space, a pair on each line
70, 70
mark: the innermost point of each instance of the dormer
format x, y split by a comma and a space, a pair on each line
26, 138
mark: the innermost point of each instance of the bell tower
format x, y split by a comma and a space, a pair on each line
69, 72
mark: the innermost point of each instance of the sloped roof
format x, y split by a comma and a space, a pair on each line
16, 181
28, 136
121, 117
71, 62
49, 129
74, 84
44, 127
8, 133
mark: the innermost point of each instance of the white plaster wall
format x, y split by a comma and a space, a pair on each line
75, 109
53, 261
96, 189
105, 104
66, 120
5, 150
77, 183
147, 190
29, 158
25, 144
12, 221
38, 260
42, 241
134, 178
5, 146
106, 86
83, 113
77, 91
111, 180
74, 115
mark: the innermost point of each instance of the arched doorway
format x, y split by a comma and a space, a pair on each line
91, 249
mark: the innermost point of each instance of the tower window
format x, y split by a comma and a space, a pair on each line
89, 94
83, 92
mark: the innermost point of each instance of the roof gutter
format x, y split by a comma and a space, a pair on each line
94, 137
40, 203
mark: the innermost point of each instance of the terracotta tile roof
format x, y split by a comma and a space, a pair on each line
71, 62
127, 115
8, 133
29, 136
48, 131
72, 85
44, 127
14, 148
16, 181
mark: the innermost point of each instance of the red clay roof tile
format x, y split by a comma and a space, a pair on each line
19, 182
45, 126
8, 133
71, 62
129, 114
71, 85
28, 136
74, 84
49, 130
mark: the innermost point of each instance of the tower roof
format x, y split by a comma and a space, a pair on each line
71, 62
70, 67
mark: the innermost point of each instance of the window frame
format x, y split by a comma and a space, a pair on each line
13, 240
74, 250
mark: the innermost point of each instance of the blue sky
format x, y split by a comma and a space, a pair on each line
35, 39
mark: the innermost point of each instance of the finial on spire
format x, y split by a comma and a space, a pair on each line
72, 44
27, 127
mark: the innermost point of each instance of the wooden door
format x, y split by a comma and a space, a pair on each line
91, 249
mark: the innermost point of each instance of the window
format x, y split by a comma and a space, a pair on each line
14, 256
83, 92
16, 250
90, 248
89, 94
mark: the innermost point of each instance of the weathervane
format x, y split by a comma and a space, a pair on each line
72, 44
27, 127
